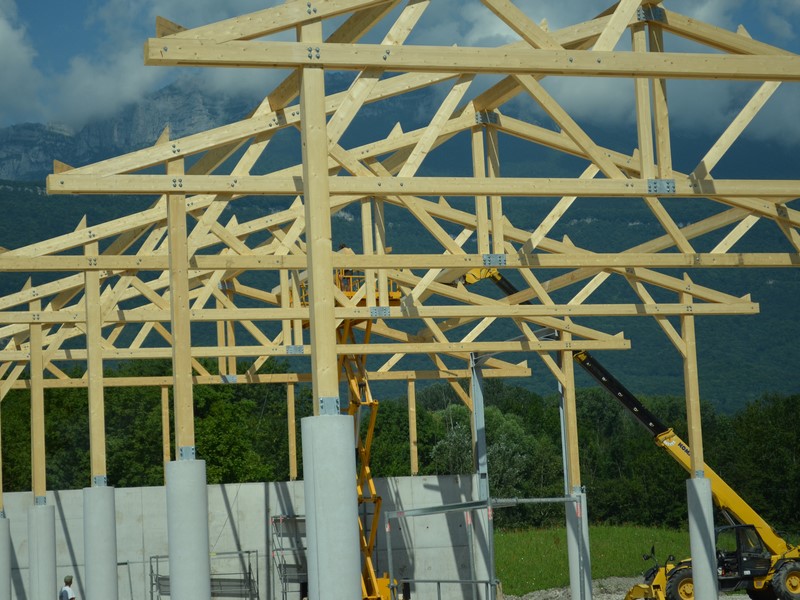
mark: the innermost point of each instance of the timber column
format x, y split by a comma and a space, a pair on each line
187, 497
334, 559
577, 521
698, 488
99, 508
41, 517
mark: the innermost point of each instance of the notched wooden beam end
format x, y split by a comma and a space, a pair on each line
164, 137
165, 27
60, 167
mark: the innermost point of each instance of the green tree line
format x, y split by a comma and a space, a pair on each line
242, 434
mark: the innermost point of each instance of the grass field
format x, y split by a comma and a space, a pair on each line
536, 559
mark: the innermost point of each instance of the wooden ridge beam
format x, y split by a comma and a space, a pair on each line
506, 60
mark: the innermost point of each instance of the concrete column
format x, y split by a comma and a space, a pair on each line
701, 537
5, 558
329, 468
578, 548
43, 583
187, 530
100, 542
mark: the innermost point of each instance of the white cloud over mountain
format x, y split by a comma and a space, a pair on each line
100, 82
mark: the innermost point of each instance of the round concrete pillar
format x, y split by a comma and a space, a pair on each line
42, 552
329, 470
701, 537
187, 529
100, 542
5, 558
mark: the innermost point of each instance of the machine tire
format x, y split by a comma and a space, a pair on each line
680, 585
786, 581
765, 593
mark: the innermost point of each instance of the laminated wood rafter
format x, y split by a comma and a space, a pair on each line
239, 293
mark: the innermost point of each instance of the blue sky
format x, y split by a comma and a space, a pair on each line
68, 62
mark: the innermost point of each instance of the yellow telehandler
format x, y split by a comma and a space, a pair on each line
751, 555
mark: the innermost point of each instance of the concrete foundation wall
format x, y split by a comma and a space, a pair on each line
240, 519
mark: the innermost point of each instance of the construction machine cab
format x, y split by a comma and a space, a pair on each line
741, 556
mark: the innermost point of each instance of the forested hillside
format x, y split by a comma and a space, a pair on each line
242, 435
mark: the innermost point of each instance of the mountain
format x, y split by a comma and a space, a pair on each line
27, 151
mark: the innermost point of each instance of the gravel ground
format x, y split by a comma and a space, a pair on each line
613, 588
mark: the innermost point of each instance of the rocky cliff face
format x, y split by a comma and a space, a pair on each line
27, 151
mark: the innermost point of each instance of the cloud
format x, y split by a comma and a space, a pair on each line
96, 90
20, 79
99, 84
781, 18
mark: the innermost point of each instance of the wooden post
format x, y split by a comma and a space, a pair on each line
663, 141
318, 229
230, 337
94, 365
479, 170
573, 473
412, 426
38, 458
222, 363
181, 325
644, 115
165, 428
292, 425
496, 202
692, 390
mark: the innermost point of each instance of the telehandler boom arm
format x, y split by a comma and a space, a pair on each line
725, 497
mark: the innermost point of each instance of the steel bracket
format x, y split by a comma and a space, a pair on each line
486, 117
186, 453
494, 260
294, 349
229, 378
654, 14
100, 481
661, 186
329, 405
378, 311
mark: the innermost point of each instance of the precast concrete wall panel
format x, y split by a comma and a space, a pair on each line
431, 547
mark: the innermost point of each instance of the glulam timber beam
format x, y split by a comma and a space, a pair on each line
541, 260
684, 187
436, 59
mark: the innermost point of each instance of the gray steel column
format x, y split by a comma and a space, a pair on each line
578, 555
42, 552
701, 537
100, 542
5, 557
187, 530
479, 428
331, 506
482, 463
